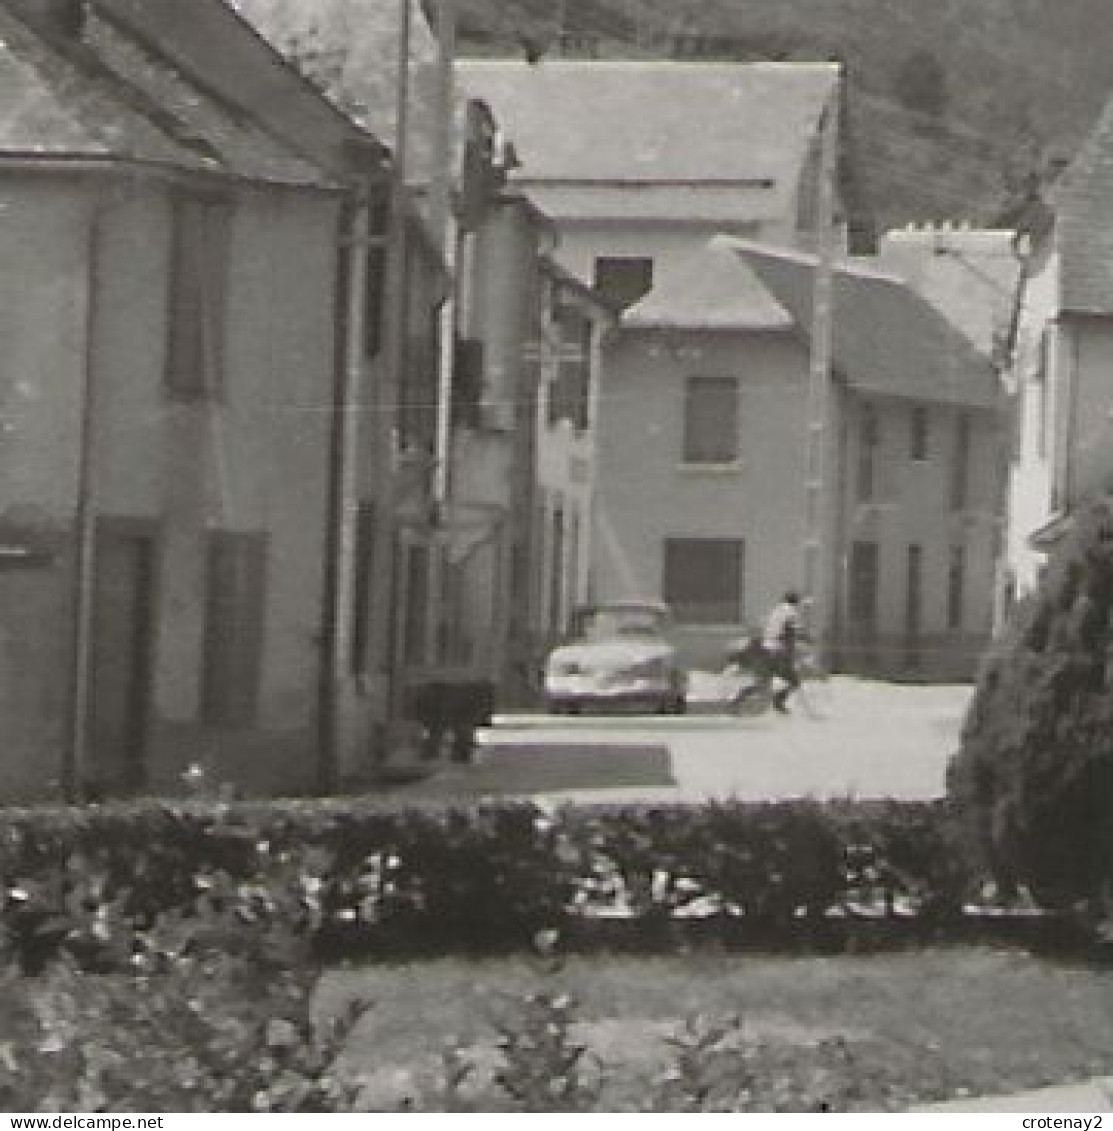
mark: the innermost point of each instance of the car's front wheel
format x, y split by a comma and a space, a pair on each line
674, 705
562, 707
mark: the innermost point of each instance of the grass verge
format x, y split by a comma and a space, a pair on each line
875, 1033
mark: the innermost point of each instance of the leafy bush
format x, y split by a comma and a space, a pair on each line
1034, 775
208, 1009
482, 879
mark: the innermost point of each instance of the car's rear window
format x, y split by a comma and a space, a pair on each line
606, 624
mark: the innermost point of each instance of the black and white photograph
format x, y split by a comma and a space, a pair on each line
556, 556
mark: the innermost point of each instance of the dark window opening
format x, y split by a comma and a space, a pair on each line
362, 582
557, 571
623, 279
467, 383
913, 605
956, 588
374, 299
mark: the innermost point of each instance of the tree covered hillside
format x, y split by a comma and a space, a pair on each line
955, 105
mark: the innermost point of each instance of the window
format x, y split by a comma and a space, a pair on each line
862, 585
200, 228
557, 571
570, 393
960, 467
703, 579
956, 579
711, 420
373, 298
467, 382
918, 434
234, 617
623, 279
415, 556
1039, 379
363, 575
868, 440
913, 591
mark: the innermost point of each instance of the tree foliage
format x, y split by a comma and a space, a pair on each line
1034, 776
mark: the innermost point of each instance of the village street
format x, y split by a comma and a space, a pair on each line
870, 739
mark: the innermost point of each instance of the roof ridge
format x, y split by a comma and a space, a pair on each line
823, 65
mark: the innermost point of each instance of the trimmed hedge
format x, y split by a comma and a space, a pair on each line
486, 878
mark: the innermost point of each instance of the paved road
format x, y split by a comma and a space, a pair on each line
872, 740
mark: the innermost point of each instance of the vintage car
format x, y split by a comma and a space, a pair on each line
619, 657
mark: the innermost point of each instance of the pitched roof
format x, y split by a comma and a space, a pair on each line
885, 338
104, 96
663, 125
357, 42
721, 206
712, 289
1082, 202
215, 44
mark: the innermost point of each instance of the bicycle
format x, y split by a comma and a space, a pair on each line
756, 694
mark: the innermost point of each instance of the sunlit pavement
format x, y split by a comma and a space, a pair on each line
869, 740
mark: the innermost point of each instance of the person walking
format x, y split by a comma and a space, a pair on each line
783, 630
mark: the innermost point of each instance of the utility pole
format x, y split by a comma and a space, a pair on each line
446, 234
819, 537
395, 314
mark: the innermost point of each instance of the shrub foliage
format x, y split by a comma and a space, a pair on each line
1034, 775
165, 958
481, 879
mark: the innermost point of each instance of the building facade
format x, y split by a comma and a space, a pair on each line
175, 323
1061, 351
916, 472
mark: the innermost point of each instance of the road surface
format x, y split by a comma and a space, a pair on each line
871, 740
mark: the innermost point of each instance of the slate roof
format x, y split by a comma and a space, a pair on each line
360, 40
663, 125
712, 289
721, 206
1082, 203
107, 97
886, 339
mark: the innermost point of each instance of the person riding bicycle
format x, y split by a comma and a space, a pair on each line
783, 631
